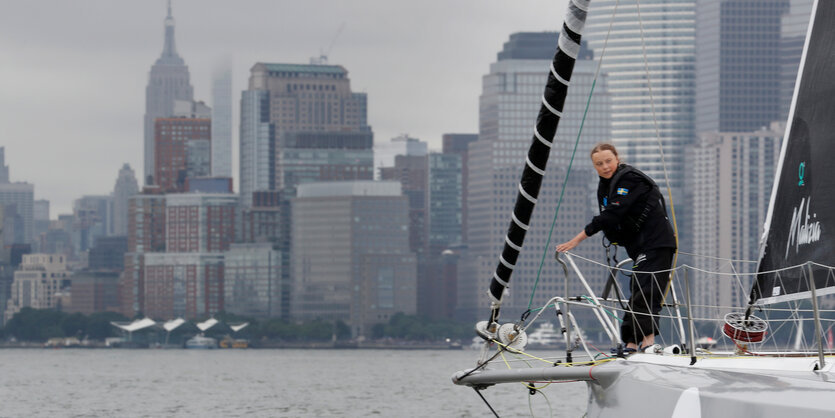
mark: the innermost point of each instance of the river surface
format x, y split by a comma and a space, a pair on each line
260, 383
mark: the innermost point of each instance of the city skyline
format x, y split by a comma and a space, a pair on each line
74, 78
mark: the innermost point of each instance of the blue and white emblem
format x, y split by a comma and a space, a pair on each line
622, 191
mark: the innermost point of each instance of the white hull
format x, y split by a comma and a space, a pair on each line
650, 385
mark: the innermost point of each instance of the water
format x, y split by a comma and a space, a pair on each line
259, 383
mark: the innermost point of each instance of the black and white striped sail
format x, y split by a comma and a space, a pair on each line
549, 116
800, 225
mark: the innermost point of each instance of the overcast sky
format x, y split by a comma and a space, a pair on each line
73, 73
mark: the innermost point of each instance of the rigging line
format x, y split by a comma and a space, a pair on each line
573, 154
717, 258
478, 391
658, 139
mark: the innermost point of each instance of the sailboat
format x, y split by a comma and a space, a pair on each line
756, 366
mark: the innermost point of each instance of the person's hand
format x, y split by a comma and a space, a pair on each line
567, 246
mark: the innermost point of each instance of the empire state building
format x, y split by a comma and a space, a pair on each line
167, 83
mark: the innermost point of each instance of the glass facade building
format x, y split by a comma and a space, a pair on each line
650, 60
509, 103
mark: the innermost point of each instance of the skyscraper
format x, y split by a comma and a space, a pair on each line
168, 82
351, 257
738, 64
182, 149
730, 177
650, 59
792, 36
458, 144
222, 121
126, 186
291, 111
4, 169
508, 106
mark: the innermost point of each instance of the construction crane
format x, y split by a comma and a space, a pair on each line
322, 59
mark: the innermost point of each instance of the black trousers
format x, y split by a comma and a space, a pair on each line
647, 294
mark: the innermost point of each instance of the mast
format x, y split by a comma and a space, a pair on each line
549, 117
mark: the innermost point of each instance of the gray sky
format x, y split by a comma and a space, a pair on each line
73, 73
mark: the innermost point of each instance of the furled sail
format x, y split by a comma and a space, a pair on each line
549, 116
800, 225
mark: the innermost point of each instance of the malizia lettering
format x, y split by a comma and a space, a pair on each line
801, 231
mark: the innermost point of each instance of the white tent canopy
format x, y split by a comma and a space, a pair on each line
207, 324
135, 325
239, 327
173, 324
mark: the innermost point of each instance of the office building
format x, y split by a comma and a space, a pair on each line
385, 152
510, 101
351, 259
253, 283
731, 177
222, 120
793, 28
126, 186
182, 149
738, 64
650, 59
38, 283
18, 199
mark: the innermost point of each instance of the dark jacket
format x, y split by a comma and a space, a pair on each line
632, 212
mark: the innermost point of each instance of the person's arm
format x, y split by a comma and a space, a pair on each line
569, 245
616, 209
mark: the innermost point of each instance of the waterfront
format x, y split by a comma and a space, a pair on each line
260, 383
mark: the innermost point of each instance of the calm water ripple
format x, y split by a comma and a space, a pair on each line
259, 383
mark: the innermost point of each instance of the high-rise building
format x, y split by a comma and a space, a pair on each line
411, 171
445, 202
384, 153
199, 222
40, 216
182, 149
146, 234
257, 146
650, 58
351, 258
738, 64
4, 169
168, 82
731, 176
92, 217
126, 186
19, 202
187, 280
94, 291
252, 281
300, 107
188, 285
509, 103
458, 144
222, 121
792, 37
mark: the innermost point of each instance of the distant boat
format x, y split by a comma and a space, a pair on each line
546, 336
201, 342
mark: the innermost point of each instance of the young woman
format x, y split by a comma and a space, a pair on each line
634, 216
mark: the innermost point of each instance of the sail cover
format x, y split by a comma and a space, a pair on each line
553, 99
800, 225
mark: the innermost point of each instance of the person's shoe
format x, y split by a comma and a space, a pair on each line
622, 350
